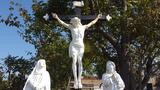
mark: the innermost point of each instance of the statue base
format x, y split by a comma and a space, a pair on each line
89, 83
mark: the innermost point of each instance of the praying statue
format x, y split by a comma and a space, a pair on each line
76, 47
39, 79
111, 80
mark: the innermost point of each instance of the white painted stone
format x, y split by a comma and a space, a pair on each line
76, 47
39, 79
111, 79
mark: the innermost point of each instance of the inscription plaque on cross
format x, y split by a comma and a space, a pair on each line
76, 47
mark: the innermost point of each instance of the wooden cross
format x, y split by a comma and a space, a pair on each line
76, 6
77, 11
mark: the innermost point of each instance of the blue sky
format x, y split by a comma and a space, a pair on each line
10, 41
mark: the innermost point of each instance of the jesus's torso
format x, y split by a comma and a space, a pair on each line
77, 35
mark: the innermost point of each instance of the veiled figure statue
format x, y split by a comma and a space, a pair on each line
39, 79
111, 79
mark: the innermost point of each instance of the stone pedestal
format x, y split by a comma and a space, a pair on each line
88, 84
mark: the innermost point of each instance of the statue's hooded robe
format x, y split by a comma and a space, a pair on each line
39, 79
112, 81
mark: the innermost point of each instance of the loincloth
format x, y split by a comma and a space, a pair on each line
76, 49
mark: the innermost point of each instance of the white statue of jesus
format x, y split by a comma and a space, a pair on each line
76, 47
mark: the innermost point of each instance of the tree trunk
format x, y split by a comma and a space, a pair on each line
147, 74
124, 67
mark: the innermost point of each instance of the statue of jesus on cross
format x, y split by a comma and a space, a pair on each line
76, 47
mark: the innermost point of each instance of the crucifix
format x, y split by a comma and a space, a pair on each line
76, 47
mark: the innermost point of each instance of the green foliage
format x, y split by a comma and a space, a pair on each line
130, 39
3, 85
14, 71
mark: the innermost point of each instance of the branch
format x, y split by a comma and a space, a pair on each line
154, 71
110, 38
148, 72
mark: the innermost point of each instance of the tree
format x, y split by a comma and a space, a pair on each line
130, 39
3, 85
50, 45
133, 35
15, 70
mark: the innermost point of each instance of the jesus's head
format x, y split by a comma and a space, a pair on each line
75, 21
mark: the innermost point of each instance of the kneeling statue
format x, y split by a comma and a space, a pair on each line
111, 80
